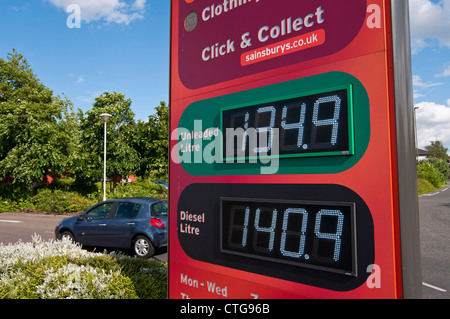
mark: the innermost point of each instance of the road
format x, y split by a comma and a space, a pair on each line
17, 226
434, 232
435, 238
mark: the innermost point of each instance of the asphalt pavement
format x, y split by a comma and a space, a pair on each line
435, 238
19, 226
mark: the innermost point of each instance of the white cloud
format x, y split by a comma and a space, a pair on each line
89, 97
139, 4
417, 81
421, 86
446, 72
429, 21
111, 11
418, 95
433, 123
80, 79
77, 79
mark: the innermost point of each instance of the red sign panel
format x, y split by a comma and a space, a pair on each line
283, 165
224, 40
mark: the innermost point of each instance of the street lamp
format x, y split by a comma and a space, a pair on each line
105, 117
415, 133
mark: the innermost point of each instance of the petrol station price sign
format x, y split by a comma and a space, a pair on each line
290, 175
308, 234
312, 125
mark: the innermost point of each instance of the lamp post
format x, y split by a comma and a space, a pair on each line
105, 117
415, 133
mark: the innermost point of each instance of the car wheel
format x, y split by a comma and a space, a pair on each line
68, 235
143, 247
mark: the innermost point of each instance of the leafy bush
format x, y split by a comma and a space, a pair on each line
148, 276
13, 198
61, 269
440, 165
6, 205
428, 171
67, 195
140, 188
59, 202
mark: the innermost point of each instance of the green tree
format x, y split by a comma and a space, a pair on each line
151, 140
32, 141
159, 166
437, 150
122, 158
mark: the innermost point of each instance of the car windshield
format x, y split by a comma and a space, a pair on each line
159, 209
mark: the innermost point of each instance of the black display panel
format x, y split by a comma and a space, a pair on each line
205, 242
318, 235
318, 124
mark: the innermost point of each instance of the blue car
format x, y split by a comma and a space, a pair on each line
139, 224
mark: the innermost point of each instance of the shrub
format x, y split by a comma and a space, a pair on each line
148, 276
61, 269
7, 205
13, 198
440, 165
68, 195
140, 188
429, 172
59, 202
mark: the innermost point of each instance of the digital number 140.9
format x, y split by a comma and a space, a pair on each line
301, 217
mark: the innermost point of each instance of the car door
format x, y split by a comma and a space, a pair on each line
92, 230
123, 224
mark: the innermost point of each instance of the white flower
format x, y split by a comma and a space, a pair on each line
67, 281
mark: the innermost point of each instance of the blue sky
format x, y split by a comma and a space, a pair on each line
123, 46
118, 48
430, 28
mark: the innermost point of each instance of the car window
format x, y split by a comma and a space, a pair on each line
127, 210
100, 212
159, 209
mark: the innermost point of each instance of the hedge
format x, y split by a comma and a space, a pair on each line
63, 270
432, 172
